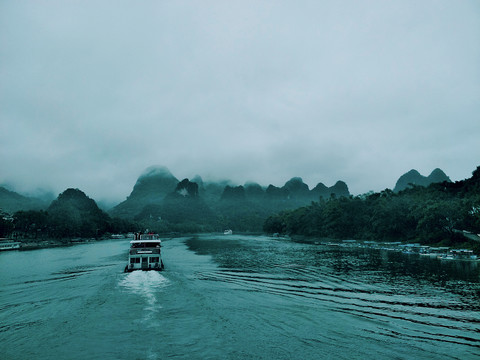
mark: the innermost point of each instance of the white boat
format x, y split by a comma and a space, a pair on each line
117, 236
228, 232
145, 253
434, 252
9, 245
459, 254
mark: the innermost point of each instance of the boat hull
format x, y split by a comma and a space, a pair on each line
129, 268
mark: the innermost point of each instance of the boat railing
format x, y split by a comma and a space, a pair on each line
144, 251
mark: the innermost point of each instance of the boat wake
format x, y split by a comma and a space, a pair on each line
145, 284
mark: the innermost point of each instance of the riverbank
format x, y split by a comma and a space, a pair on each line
34, 244
31, 244
469, 245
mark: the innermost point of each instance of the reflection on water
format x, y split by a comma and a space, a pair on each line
408, 298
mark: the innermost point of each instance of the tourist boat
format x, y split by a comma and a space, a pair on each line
9, 245
145, 253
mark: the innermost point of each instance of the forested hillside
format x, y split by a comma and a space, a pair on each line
72, 214
437, 214
11, 202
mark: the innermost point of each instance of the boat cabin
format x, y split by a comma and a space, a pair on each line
145, 253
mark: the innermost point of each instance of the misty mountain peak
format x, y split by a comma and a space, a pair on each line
296, 183
76, 198
187, 188
151, 188
254, 190
155, 180
233, 193
198, 179
156, 171
296, 188
10, 201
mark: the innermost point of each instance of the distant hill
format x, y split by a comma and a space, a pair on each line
150, 189
182, 207
212, 191
254, 191
156, 185
339, 189
295, 190
442, 214
75, 214
11, 202
160, 200
413, 177
235, 193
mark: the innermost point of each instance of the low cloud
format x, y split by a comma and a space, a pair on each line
92, 93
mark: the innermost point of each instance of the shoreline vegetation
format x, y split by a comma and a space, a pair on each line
47, 244
440, 215
436, 251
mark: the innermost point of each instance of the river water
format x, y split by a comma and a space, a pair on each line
237, 297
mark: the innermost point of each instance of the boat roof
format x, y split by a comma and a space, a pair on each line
145, 241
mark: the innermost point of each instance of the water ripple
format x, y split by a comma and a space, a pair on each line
441, 320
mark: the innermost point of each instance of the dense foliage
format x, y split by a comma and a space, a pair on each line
73, 214
210, 208
440, 213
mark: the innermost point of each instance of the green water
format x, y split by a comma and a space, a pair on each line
237, 297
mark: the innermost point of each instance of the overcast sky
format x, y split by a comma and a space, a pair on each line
94, 92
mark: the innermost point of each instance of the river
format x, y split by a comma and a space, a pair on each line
237, 297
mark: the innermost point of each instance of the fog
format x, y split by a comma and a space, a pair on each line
94, 92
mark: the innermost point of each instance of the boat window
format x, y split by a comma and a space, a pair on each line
145, 245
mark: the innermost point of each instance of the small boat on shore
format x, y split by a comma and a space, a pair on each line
434, 252
9, 245
145, 253
459, 254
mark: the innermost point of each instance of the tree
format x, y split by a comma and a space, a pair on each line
31, 223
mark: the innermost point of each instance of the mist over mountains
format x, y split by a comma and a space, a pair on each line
156, 184
10, 201
160, 202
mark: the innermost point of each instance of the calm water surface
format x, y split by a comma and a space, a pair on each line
237, 297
